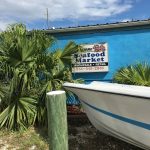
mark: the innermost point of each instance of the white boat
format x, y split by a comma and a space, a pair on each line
119, 110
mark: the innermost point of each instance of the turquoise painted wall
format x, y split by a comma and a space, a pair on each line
125, 47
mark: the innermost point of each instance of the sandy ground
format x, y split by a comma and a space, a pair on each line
83, 136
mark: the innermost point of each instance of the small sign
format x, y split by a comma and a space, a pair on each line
94, 59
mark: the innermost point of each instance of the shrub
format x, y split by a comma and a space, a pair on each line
30, 70
138, 74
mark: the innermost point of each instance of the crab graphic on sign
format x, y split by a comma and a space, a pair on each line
99, 48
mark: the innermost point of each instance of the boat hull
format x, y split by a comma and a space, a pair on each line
123, 116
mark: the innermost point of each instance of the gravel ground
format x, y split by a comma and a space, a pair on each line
83, 136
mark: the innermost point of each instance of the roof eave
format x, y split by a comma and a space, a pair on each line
100, 27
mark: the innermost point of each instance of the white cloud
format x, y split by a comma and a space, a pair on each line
34, 10
5, 22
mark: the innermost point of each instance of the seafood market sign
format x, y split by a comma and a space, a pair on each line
94, 59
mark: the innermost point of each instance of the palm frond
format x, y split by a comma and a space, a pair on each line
18, 116
64, 56
138, 74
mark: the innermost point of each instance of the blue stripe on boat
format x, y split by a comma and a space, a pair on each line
124, 119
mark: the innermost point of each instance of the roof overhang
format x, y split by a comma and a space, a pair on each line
100, 27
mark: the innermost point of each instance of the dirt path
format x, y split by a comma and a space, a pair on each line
83, 136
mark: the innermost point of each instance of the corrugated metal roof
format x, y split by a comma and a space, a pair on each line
132, 23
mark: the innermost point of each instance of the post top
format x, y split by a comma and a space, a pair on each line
56, 92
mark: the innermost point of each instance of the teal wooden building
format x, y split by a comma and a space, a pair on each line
128, 43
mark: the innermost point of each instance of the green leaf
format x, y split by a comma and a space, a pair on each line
138, 74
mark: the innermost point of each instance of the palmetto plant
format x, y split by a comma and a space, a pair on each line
19, 53
56, 71
29, 71
138, 74
21, 110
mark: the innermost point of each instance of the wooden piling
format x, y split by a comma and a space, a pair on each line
57, 120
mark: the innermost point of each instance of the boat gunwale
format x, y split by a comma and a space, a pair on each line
114, 93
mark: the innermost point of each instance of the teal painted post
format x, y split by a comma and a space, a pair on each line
57, 120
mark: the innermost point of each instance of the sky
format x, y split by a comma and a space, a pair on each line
67, 13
